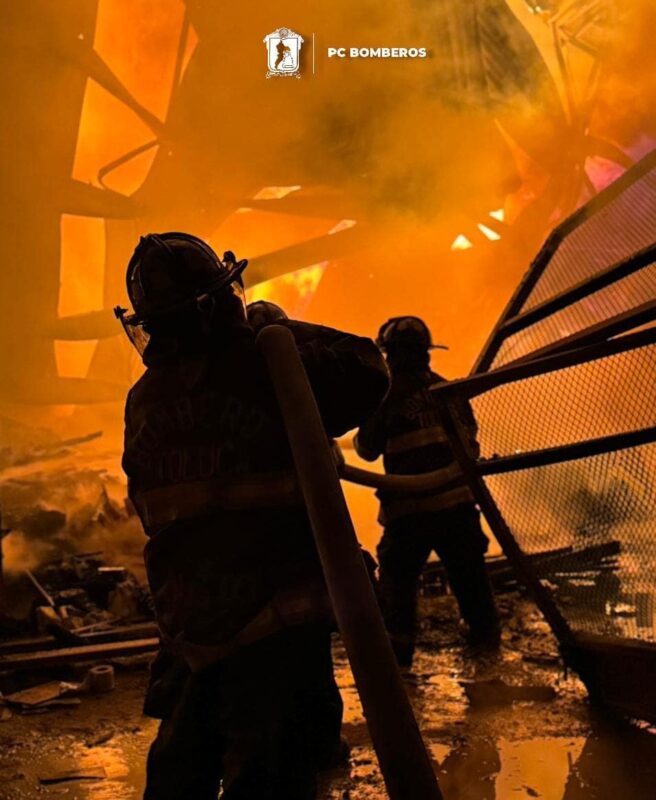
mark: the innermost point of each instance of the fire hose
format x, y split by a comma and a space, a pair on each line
401, 752
437, 481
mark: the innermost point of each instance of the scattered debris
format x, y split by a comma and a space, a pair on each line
79, 600
42, 694
571, 569
542, 659
100, 679
43, 659
47, 598
60, 702
56, 509
496, 692
137, 663
94, 634
96, 773
87, 592
103, 738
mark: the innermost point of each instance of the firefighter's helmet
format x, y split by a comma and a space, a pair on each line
262, 313
171, 273
406, 332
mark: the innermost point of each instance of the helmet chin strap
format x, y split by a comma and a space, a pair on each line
216, 312
206, 305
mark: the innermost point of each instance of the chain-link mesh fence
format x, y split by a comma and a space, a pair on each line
602, 509
624, 295
608, 235
603, 238
567, 466
597, 398
595, 508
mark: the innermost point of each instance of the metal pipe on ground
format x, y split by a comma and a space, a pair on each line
402, 755
46, 659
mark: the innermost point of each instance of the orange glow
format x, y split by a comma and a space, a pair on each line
138, 39
82, 264
81, 287
254, 233
275, 192
140, 47
293, 291
412, 263
461, 242
344, 225
493, 236
190, 46
109, 130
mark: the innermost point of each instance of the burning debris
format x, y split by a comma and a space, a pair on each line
78, 608
563, 567
82, 593
65, 510
72, 579
45, 558
57, 500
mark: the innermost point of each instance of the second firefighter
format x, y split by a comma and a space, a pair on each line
408, 431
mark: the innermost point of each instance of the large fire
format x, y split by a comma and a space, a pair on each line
408, 164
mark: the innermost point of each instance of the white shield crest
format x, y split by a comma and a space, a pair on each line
283, 53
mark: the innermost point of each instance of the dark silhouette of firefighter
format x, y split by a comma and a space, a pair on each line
244, 682
407, 430
262, 313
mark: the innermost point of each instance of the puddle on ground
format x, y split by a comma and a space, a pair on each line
611, 764
555, 750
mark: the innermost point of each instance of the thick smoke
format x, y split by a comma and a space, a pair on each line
69, 506
417, 152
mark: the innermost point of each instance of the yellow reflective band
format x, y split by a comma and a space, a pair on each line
165, 504
420, 438
395, 509
298, 606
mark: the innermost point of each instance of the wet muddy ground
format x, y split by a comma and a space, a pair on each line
556, 748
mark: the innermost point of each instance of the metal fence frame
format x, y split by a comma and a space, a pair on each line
512, 318
617, 671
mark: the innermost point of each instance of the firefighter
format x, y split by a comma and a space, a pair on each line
245, 684
407, 430
264, 312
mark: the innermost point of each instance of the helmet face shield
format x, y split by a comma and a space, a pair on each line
237, 288
174, 276
213, 301
134, 330
169, 272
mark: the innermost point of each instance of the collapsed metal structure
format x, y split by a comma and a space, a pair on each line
205, 165
565, 398
562, 391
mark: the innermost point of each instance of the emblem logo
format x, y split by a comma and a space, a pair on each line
283, 53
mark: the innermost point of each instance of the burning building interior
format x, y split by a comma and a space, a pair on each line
503, 190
